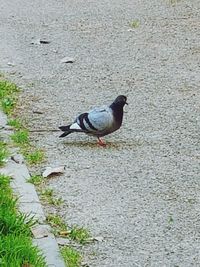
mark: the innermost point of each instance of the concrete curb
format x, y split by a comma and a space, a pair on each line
29, 204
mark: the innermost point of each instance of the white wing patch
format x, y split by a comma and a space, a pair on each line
75, 126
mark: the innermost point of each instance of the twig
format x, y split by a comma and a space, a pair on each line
32, 131
43, 130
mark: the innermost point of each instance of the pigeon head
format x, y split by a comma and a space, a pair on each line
120, 101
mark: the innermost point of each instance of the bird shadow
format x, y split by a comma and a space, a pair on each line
94, 145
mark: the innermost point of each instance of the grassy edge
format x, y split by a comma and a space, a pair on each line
8, 100
20, 138
16, 247
74, 232
71, 256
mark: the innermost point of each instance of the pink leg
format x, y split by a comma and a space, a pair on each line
101, 142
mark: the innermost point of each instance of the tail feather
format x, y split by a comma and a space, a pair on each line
65, 134
66, 130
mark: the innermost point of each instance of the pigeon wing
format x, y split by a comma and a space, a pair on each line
101, 119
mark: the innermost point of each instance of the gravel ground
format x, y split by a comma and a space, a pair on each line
142, 192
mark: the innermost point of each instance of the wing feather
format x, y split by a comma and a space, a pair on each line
101, 119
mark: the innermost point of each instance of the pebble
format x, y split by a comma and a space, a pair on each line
63, 241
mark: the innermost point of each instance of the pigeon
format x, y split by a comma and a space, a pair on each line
99, 121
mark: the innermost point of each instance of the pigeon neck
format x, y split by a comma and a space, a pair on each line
117, 109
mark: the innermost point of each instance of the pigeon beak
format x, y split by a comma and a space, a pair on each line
126, 103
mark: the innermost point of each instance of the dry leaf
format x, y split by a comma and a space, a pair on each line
55, 170
67, 60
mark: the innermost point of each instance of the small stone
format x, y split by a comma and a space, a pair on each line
67, 60
84, 264
44, 42
87, 167
38, 112
98, 238
12, 64
63, 241
13, 72
39, 41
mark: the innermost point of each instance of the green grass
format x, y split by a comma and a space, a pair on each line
47, 193
17, 251
15, 123
135, 24
47, 196
34, 157
171, 220
78, 234
174, 2
59, 228
16, 248
21, 137
8, 104
7, 88
3, 153
71, 257
35, 179
56, 222
8, 96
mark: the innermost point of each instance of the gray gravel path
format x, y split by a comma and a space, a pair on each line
142, 192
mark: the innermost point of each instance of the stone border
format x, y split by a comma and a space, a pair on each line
29, 204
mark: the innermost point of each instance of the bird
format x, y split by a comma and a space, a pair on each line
99, 121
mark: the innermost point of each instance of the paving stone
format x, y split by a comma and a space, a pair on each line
34, 209
3, 119
20, 175
17, 171
18, 158
40, 231
25, 192
49, 244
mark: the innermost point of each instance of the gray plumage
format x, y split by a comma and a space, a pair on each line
99, 121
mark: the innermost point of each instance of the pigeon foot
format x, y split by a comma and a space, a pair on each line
101, 142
